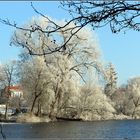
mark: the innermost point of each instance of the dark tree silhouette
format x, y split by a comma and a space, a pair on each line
119, 15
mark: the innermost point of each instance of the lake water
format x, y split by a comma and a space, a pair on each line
71, 130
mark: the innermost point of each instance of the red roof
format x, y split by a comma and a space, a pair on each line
13, 88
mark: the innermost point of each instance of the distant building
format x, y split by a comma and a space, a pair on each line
14, 91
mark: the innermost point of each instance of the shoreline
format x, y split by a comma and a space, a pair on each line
31, 118
42, 120
15, 122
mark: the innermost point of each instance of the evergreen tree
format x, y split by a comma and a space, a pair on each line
111, 80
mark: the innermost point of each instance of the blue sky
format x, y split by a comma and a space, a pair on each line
123, 50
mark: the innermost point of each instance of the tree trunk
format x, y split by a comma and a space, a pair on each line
34, 101
39, 109
51, 113
136, 105
6, 108
133, 113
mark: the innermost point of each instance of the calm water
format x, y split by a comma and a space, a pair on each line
104, 130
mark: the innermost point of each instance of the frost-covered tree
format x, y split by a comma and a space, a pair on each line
133, 97
120, 100
41, 43
94, 104
65, 68
111, 80
8, 78
34, 80
50, 87
8, 73
83, 47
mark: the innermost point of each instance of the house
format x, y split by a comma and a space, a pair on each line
14, 91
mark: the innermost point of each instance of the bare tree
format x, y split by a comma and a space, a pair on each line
9, 78
119, 15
